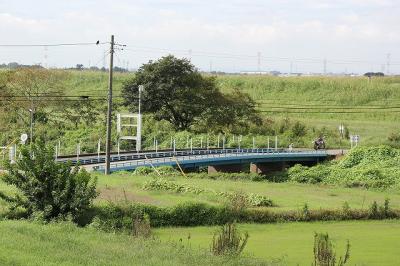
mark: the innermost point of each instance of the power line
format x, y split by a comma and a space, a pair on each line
238, 56
324, 112
53, 45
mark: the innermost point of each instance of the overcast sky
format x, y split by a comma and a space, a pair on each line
353, 35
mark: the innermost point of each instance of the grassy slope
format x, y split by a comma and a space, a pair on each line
372, 242
24, 243
321, 93
285, 195
327, 94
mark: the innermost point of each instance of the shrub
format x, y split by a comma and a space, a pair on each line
162, 184
141, 226
373, 210
143, 170
324, 254
49, 189
238, 202
229, 241
369, 167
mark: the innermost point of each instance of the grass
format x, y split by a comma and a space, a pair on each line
286, 196
25, 243
327, 100
372, 242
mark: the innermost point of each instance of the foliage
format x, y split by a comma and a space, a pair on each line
141, 226
175, 91
229, 241
228, 176
32, 90
166, 185
370, 167
49, 189
118, 217
324, 254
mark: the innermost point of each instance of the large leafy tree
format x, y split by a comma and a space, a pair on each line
173, 90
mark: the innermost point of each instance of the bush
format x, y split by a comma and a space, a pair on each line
229, 241
162, 184
324, 254
49, 189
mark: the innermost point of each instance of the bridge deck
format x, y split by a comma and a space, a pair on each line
216, 157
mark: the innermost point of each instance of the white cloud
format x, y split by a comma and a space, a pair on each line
282, 29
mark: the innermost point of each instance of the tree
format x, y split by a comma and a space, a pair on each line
50, 189
232, 112
175, 91
84, 109
35, 90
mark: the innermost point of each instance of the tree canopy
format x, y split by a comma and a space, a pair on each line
174, 90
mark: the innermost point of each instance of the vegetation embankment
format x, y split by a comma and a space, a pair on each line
368, 167
69, 106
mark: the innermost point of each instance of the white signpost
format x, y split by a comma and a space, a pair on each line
354, 140
24, 138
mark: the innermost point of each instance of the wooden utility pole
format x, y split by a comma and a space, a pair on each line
109, 110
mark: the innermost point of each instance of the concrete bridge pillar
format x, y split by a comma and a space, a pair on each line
225, 168
267, 168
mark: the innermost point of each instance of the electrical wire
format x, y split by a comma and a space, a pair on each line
53, 45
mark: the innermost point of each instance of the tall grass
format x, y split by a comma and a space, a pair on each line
24, 243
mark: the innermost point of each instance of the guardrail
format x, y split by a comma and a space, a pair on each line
146, 155
183, 156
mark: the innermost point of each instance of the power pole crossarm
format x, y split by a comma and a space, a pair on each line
109, 109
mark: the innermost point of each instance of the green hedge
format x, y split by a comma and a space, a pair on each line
119, 217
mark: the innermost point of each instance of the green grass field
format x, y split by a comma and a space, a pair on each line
286, 196
26, 243
370, 109
372, 242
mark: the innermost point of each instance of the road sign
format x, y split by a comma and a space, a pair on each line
24, 137
354, 139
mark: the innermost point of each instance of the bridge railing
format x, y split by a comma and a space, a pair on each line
143, 156
183, 156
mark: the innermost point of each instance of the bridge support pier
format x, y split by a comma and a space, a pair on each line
267, 168
225, 168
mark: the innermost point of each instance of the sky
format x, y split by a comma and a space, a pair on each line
351, 36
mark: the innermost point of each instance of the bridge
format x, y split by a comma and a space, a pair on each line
258, 160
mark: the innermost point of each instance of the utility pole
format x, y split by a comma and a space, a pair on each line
259, 63
325, 62
387, 64
109, 109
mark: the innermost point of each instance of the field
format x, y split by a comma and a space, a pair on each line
286, 196
372, 242
25, 243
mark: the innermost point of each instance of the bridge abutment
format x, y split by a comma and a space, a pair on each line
225, 168
268, 167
